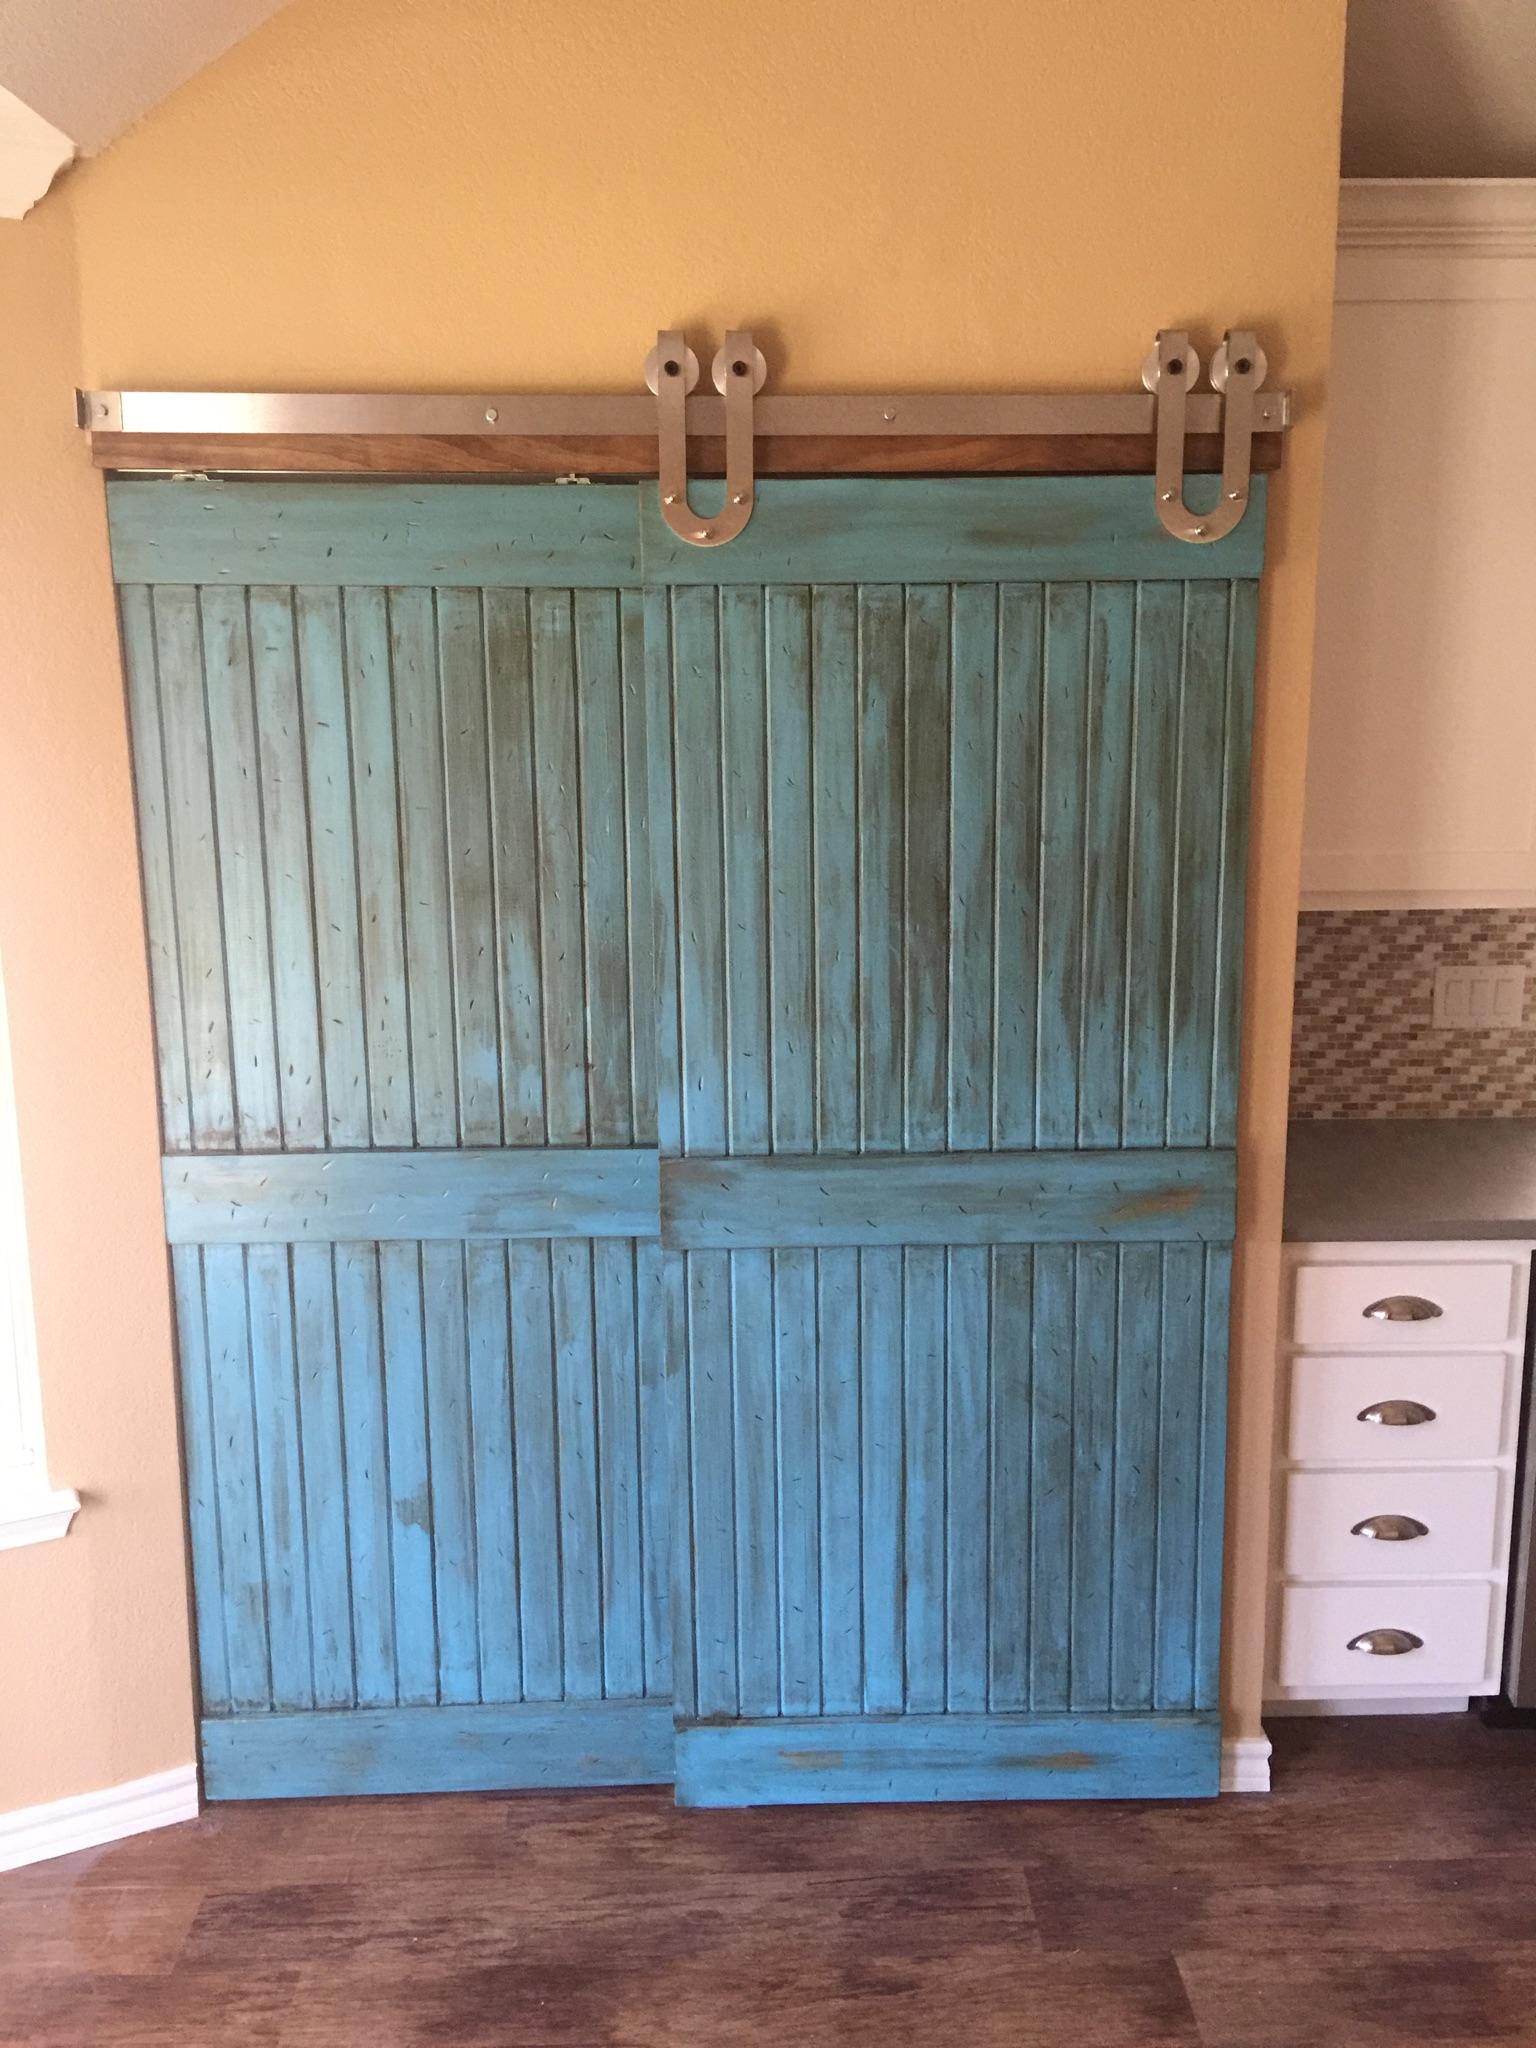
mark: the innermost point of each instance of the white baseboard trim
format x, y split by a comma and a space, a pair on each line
1316, 1710
33, 1833
1245, 1763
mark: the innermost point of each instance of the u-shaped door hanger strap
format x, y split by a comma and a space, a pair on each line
672, 370
1237, 371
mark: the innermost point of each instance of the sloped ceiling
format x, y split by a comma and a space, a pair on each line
87, 69
1440, 89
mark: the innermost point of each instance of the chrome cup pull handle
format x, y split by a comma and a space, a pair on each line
1402, 1308
1397, 1414
1385, 1642
1391, 1528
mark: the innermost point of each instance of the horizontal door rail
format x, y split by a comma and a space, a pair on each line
614, 435
561, 414
365, 1197
956, 1198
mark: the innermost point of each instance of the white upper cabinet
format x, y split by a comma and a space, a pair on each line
1422, 771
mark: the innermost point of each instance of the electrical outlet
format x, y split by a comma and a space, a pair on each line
1479, 998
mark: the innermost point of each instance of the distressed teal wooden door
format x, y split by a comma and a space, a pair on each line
951, 795
390, 757
937, 792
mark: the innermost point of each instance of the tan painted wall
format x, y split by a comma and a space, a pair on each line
942, 193
94, 1671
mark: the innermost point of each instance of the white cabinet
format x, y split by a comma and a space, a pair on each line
1401, 1376
1422, 769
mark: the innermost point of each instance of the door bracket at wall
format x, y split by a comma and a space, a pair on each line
738, 372
1169, 373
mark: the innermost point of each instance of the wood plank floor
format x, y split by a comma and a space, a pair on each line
1384, 1896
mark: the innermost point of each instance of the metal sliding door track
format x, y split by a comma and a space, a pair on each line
559, 415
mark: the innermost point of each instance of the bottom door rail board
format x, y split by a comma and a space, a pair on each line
846, 1758
525, 1747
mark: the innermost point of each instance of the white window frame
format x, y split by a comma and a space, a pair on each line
31, 1511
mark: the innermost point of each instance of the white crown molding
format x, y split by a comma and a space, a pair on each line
33, 1833
1467, 216
32, 153
1245, 1763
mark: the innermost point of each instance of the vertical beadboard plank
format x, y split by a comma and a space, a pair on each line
514, 842
189, 816
927, 852
743, 743
1106, 861
1192, 1050
495, 1481
660, 711
275, 1399
923, 1347
696, 683
1050, 1477
618, 1447
471, 865
370, 1508
295, 985
370, 696
450, 1435
792, 1038
674, 1288
1215, 1321
537, 1470
197, 1438
1149, 934
663, 1515
1133, 1619
1012, 1404
967, 1433
640, 901
972, 816
557, 789
756, 1482
424, 856
1178, 1473
795, 1371
581, 1561
1063, 772
333, 853
882, 773
1021, 614
243, 1577
242, 868
600, 747
883, 1486
410, 1476
1093, 1474
711, 1482
837, 1350
834, 759
325, 1476
1243, 635
138, 633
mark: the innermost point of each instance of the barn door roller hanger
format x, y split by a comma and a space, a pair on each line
1237, 371
672, 370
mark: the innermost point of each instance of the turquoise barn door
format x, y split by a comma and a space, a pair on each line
390, 759
950, 805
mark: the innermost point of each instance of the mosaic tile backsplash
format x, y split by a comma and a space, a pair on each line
1365, 1044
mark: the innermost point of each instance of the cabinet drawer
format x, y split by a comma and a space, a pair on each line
1318, 1623
1477, 1303
1458, 1512
1471, 1401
